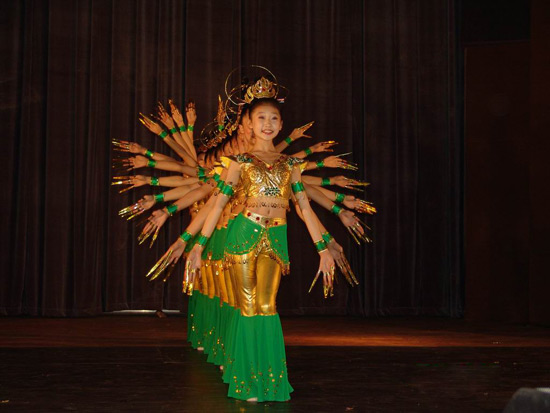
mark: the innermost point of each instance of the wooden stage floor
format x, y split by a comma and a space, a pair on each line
128, 363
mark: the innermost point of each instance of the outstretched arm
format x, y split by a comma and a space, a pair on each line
326, 265
297, 133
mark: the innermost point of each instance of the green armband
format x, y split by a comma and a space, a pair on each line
151, 163
202, 240
216, 177
340, 197
320, 245
320, 164
173, 130
325, 182
186, 236
172, 209
327, 237
336, 209
220, 185
220, 127
149, 154
201, 174
183, 128
288, 140
228, 190
308, 151
159, 198
163, 134
297, 187
154, 181
191, 128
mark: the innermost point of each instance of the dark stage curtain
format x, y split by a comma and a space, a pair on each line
375, 75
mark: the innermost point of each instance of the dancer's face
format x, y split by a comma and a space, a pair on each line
266, 122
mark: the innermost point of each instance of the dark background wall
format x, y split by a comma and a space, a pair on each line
503, 46
386, 79
377, 76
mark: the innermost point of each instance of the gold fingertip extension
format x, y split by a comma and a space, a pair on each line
190, 289
360, 183
169, 272
154, 238
142, 237
307, 125
342, 154
350, 271
128, 210
135, 214
314, 281
325, 290
350, 167
153, 269
125, 189
353, 235
358, 234
363, 223
164, 263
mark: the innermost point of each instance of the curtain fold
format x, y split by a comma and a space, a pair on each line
376, 76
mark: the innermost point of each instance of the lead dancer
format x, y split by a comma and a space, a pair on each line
256, 247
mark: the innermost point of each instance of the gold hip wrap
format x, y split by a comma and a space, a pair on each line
219, 279
257, 274
210, 285
229, 286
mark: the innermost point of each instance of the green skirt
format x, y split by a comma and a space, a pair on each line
258, 367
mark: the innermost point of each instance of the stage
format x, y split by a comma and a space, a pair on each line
121, 363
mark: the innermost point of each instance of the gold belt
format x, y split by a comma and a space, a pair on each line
265, 222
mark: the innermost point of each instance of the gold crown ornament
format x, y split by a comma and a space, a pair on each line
263, 88
240, 90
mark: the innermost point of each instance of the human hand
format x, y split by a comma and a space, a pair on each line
300, 131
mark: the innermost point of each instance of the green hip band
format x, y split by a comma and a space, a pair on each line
245, 235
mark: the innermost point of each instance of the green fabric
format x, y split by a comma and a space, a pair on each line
245, 235
336, 209
327, 237
320, 245
218, 245
229, 340
195, 316
259, 368
209, 243
191, 243
186, 236
172, 209
217, 353
297, 187
211, 313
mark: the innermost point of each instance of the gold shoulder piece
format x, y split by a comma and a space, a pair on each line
226, 161
302, 163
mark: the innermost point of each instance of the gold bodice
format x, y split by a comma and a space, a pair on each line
262, 180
